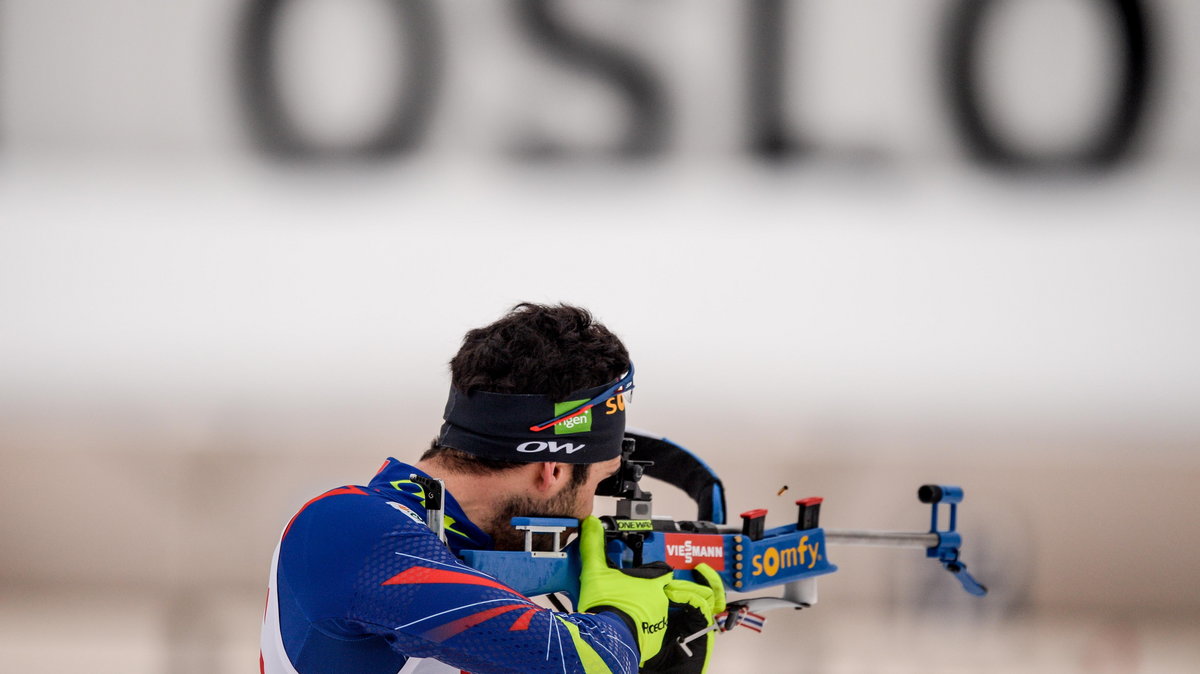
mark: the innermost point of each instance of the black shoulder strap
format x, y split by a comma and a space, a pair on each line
680, 468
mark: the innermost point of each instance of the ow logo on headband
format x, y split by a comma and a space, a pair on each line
534, 446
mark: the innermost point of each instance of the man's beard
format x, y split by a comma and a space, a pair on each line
506, 537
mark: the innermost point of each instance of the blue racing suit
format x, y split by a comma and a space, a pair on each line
360, 584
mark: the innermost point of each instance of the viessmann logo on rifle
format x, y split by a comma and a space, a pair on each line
685, 551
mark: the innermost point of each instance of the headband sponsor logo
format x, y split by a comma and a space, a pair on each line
615, 404
534, 446
685, 551
580, 423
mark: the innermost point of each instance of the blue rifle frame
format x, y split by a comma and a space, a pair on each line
783, 555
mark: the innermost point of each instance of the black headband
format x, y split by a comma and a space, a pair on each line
587, 427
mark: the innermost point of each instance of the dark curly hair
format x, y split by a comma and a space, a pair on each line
534, 348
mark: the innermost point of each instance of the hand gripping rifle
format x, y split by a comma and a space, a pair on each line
747, 558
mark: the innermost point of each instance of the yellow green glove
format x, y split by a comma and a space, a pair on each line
692, 609
638, 595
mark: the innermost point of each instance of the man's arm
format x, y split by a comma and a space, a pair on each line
428, 604
370, 571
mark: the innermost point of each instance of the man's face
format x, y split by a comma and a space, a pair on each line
585, 496
573, 501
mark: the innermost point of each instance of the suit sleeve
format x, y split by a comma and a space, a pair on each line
409, 589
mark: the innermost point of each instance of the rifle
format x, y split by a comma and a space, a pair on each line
747, 558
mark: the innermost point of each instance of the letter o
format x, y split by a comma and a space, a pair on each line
961, 56
538, 446
771, 561
274, 129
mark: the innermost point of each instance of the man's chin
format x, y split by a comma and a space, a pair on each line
506, 538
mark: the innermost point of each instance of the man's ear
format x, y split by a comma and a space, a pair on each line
551, 476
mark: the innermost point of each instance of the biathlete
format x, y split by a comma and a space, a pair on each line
361, 582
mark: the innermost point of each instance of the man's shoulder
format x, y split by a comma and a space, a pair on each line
386, 496
335, 533
358, 509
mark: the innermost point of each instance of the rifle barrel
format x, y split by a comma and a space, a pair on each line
895, 539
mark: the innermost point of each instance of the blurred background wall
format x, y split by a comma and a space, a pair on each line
854, 246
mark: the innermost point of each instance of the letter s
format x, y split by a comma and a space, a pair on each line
646, 134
